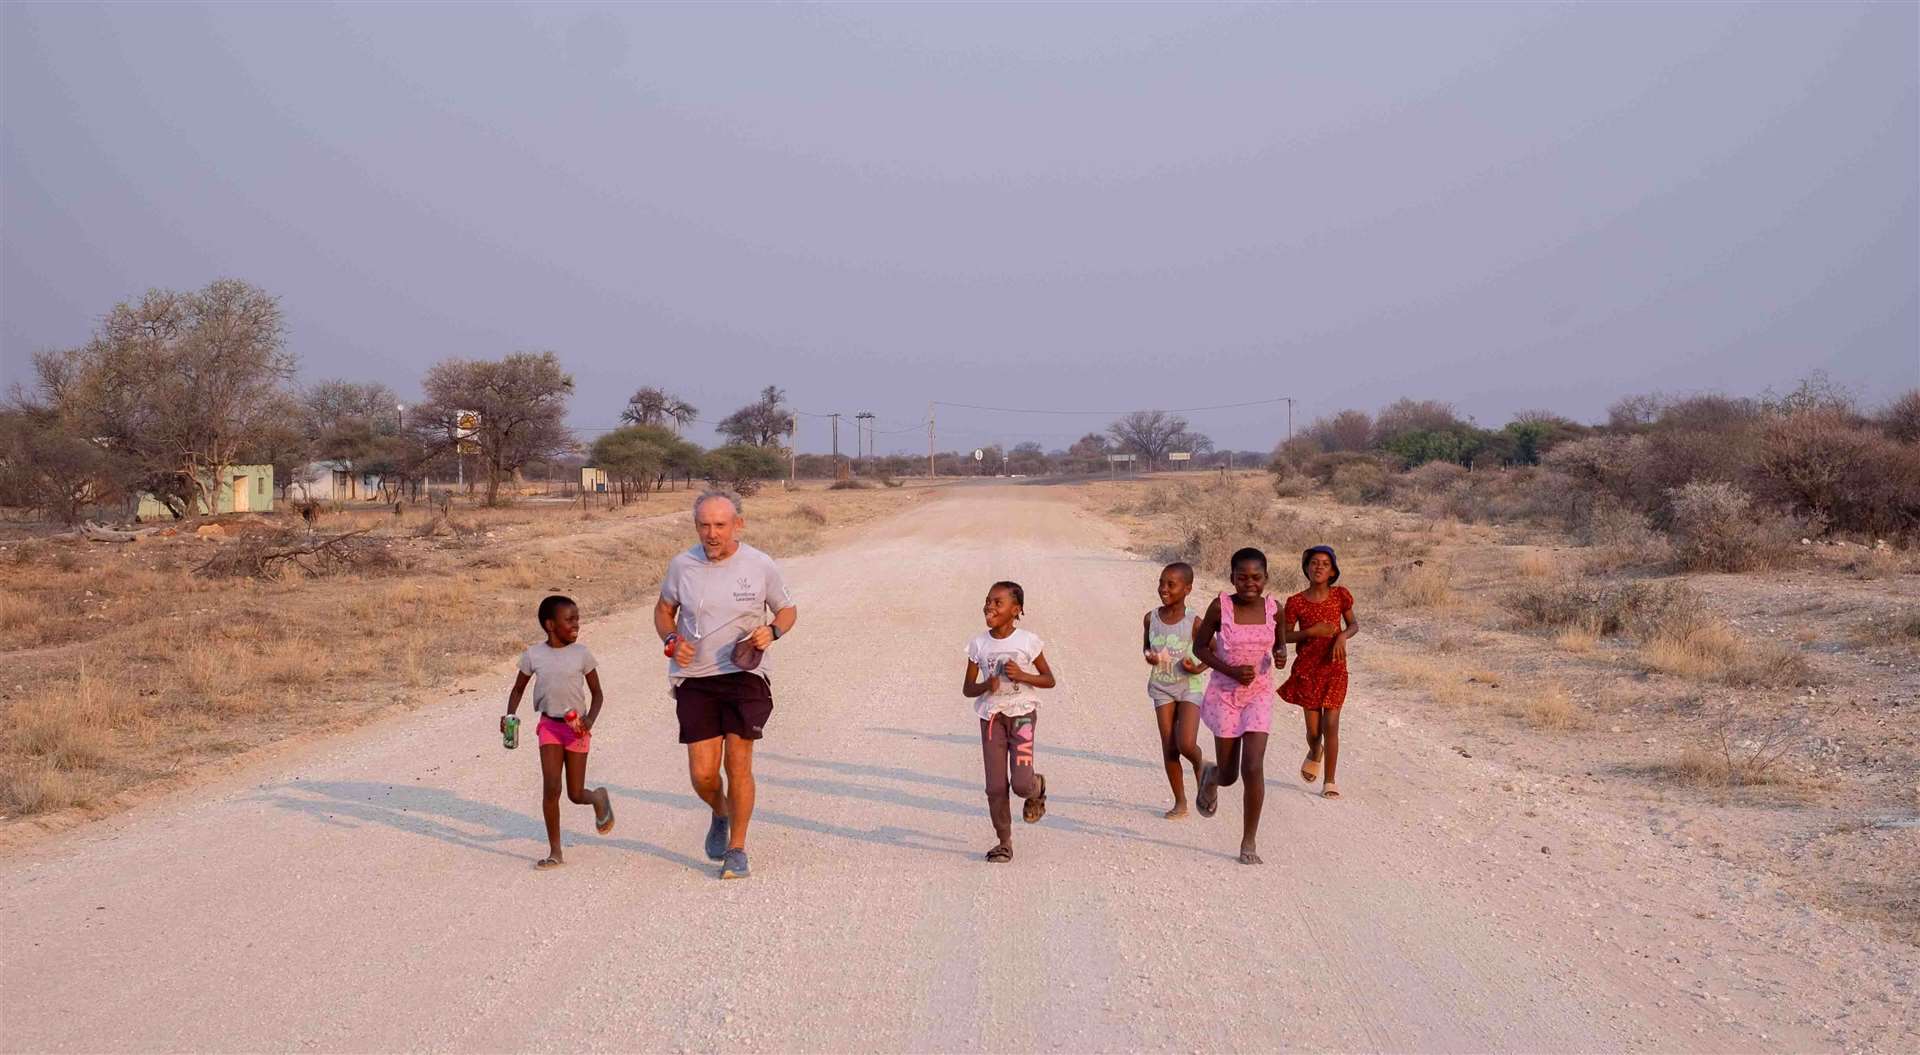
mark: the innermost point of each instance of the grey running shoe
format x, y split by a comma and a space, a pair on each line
735, 866
717, 838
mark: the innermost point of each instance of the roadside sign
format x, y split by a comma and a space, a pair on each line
1121, 457
465, 424
1180, 456
979, 455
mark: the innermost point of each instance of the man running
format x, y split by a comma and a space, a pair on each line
711, 620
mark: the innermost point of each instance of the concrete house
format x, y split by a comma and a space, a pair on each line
333, 481
246, 489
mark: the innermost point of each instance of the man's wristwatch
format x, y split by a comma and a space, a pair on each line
776, 631
672, 642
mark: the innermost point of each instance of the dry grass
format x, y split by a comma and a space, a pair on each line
1734, 752
1900, 628
1537, 565
1576, 639
1548, 706
1711, 651
132, 668
1422, 584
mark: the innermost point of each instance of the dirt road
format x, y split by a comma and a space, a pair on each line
376, 892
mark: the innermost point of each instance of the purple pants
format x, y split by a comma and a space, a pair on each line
1007, 746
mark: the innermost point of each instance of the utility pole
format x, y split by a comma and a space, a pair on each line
836, 445
1289, 400
793, 475
865, 420
929, 441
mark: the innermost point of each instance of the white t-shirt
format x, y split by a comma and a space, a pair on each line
720, 603
990, 654
559, 677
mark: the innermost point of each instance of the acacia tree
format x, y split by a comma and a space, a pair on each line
46, 466
1153, 433
761, 423
343, 419
1349, 430
656, 406
518, 405
178, 384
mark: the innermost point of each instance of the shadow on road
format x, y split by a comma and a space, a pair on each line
975, 807
884, 835
1043, 750
437, 813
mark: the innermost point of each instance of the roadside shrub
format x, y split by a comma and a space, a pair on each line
1225, 517
850, 484
740, 468
1287, 483
809, 513
1842, 473
1618, 536
1322, 467
1638, 609
1716, 528
1360, 483
1901, 418
1434, 477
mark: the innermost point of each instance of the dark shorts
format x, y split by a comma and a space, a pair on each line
731, 704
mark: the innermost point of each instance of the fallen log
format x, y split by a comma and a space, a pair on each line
93, 532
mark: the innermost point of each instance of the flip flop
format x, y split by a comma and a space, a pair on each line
547, 864
1208, 799
1176, 812
1332, 791
1248, 857
1036, 806
603, 822
1310, 769
1000, 855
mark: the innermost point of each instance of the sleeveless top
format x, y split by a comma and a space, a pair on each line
1244, 645
1177, 642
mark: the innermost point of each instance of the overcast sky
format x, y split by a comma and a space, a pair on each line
1076, 206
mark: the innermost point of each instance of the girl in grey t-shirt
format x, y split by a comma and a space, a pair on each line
563, 672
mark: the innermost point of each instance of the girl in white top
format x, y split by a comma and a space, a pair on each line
1002, 689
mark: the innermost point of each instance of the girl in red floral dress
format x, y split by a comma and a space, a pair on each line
1318, 684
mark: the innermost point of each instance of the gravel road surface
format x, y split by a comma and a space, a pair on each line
375, 891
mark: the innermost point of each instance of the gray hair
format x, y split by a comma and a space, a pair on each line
705, 496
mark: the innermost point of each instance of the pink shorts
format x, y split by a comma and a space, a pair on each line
560, 734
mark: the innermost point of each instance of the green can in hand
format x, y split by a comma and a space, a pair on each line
511, 734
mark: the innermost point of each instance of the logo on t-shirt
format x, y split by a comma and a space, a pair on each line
744, 592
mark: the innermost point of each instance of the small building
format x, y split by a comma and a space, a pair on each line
333, 481
246, 489
592, 480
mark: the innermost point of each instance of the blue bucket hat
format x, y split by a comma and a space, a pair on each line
1307, 558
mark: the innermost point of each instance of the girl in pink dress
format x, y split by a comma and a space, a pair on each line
1237, 639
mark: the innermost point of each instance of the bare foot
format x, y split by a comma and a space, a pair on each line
1179, 810
1248, 857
